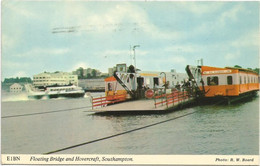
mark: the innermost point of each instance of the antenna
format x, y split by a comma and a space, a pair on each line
134, 54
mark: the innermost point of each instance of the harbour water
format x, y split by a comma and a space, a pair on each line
42, 126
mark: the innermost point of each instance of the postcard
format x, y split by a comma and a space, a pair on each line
130, 82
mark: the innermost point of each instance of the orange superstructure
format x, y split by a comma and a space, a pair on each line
228, 81
113, 88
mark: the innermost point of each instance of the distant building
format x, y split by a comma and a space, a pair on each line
56, 78
111, 71
10, 81
92, 84
87, 73
16, 88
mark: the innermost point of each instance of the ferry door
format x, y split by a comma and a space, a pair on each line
155, 81
132, 82
140, 82
110, 89
109, 86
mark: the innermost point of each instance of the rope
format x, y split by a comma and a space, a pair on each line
38, 113
115, 135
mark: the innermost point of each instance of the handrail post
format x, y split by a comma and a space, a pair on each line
172, 98
166, 100
178, 97
101, 101
155, 101
183, 98
162, 99
92, 101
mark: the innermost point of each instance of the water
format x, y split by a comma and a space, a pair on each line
41, 126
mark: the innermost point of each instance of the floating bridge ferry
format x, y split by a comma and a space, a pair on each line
223, 84
162, 92
144, 90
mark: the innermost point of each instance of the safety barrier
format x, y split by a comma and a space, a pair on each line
104, 101
173, 98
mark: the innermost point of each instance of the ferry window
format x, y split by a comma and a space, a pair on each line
229, 80
240, 80
109, 87
212, 80
147, 81
245, 80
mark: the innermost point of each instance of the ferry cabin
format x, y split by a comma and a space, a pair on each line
158, 79
112, 88
228, 81
148, 80
143, 79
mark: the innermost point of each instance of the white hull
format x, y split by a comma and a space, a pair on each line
55, 92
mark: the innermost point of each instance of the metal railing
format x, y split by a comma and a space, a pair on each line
171, 99
105, 100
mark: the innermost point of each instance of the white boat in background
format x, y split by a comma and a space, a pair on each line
70, 91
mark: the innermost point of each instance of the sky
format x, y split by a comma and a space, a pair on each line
51, 36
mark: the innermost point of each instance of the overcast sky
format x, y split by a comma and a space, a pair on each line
64, 35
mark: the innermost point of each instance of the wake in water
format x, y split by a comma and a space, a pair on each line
7, 96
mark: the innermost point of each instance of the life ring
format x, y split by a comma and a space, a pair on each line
149, 93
